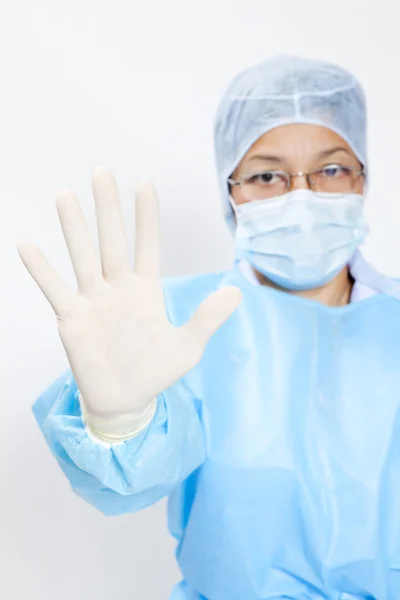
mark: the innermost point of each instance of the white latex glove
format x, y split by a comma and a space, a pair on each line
122, 349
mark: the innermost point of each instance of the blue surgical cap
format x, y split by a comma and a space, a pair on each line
280, 91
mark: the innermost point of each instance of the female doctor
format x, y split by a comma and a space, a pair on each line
264, 401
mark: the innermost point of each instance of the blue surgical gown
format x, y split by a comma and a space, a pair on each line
280, 451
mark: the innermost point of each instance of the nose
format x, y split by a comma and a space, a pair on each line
299, 181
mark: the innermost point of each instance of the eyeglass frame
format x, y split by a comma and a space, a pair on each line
290, 176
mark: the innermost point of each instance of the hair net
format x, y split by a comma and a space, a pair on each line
280, 91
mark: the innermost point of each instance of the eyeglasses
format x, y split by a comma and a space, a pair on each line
333, 179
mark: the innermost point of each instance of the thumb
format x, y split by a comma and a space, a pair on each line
212, 313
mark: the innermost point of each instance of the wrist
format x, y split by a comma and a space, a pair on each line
120, 428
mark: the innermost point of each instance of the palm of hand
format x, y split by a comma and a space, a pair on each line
122, 349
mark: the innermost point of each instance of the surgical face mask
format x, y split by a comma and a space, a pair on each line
300, 240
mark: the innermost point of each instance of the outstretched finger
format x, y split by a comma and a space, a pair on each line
47, 278
147, 234
80, 245
110, 225
212, 313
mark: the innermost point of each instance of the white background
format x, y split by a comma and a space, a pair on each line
134, 86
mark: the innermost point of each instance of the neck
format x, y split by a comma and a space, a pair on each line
336, 292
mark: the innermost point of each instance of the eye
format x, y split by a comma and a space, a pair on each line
266, 178
335, 172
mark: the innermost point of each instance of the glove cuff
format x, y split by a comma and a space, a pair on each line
120, 429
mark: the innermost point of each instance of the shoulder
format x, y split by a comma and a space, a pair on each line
184, 294
367, 275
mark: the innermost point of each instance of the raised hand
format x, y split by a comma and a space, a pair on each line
122, 349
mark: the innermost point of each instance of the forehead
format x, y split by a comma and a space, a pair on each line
287, 139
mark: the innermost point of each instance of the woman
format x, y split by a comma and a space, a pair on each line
264, 400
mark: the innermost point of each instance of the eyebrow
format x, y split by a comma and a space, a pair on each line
276, 159
266, 157
331, 151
